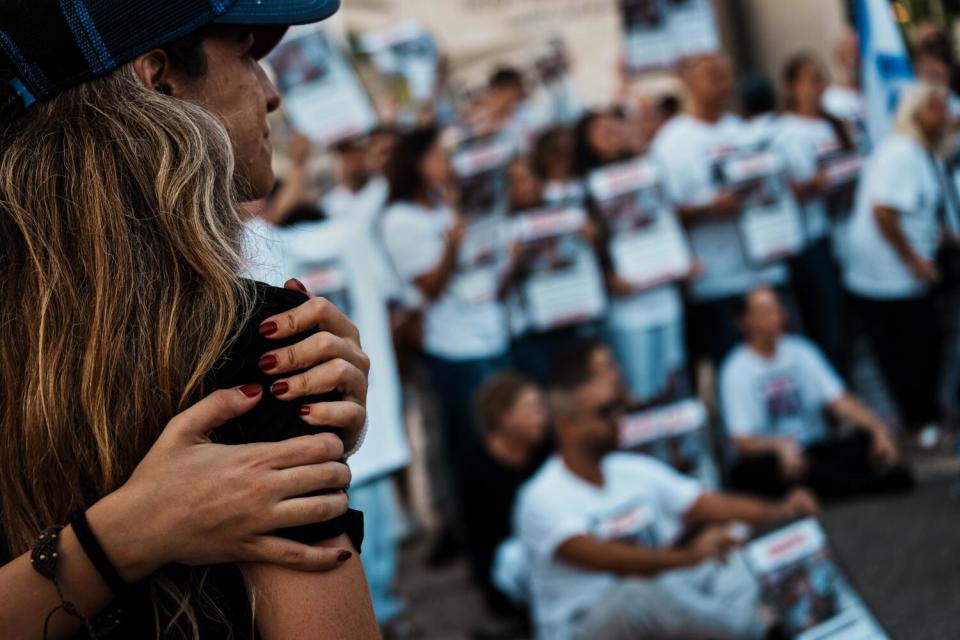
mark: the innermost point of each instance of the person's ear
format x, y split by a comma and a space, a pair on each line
154, 69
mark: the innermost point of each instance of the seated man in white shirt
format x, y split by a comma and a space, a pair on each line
774, 390
621, 546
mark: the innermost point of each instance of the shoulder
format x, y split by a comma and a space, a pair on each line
271, 420
542, 485
735, 361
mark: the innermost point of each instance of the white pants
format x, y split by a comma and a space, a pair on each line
709, 602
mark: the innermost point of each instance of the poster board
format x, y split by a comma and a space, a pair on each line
323, 97
677, 435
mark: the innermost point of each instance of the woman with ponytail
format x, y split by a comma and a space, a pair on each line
808, 136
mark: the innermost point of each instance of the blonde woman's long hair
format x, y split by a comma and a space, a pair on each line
120, 239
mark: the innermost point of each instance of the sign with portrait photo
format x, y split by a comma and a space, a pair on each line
647, 245
481, 168
323, 97
677, 435
658, 33
842, 169
406, 54
771, 225
801, 581
564, 284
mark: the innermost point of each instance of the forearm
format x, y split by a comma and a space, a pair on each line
888, 221
719, 508
755, 445
26, 597
433, 283
689, 214
624, 559
313, 606
850, 410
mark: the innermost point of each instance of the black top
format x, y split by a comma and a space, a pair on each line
490, 489
270, 421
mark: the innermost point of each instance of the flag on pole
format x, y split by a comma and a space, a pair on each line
885, 65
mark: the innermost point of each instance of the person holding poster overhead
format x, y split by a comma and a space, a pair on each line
894, 235
465, 336
690, 149
823, 166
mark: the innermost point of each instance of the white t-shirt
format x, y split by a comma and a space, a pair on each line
347, 247
762, 129
454, 328
784, 396
263, 252
642, 502
362, 206
798, 142
899, 175
687, 149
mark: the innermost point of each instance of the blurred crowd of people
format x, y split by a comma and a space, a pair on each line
514, 419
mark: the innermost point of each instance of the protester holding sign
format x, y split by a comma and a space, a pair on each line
774, 390
690, 149
823, 166
604, 534
894, 236
465, 336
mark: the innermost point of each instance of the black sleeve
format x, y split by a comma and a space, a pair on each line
273, 420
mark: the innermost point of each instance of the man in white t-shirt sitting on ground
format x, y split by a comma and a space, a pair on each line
774, 391
608, 535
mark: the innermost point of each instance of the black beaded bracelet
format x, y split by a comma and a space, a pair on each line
96, 554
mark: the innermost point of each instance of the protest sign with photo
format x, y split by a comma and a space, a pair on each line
323, 97
406, 54
677, 435
801, 581
771, 224
481, 168
648, 245
842, 169
327, 279
564, 283
658, 33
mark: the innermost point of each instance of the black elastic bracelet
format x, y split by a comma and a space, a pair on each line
98, 557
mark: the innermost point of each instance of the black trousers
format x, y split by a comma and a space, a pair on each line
907, 339
837, 468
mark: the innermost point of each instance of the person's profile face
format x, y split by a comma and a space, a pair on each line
528, 418
601, 411
604, 366
605, 136
524, 186
933, 118
810, 84
435, 165
236, 89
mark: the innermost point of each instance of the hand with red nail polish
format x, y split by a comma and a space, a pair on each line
330, 359
267, 484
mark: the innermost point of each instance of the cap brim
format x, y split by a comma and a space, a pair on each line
271, 18
279, 12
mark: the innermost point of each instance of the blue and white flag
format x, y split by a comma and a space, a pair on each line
885, 65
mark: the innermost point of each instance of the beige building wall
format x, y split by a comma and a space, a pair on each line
479, 34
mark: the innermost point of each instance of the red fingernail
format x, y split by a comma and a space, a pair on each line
344, 555
251, 390
269, 328
304, 410
298, 284
269, 362
279, 388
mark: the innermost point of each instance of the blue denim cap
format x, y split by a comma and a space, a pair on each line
48, 46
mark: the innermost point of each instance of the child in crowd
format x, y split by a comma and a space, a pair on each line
513, 418
774, 389
605, 534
